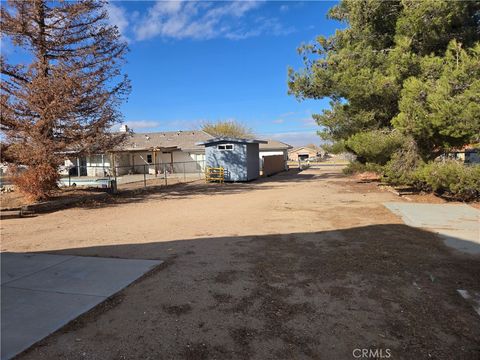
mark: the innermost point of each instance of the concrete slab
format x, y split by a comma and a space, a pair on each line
457, 224
28, 315
41, 292
86, 275
16, 266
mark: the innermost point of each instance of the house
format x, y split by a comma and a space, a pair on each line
145, 152
153, 152
155, 148
468, 154
472, 156
238, 157
304, 153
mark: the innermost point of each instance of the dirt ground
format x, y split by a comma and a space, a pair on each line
303, 265
16, 199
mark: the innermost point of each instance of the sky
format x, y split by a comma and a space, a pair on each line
196, 61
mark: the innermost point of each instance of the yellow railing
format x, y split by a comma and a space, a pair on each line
214, 174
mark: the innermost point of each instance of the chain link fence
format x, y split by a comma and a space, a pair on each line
131, 177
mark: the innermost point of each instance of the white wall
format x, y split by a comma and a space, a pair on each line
98, 165
94, 165
133, 162
122, 163
199, 158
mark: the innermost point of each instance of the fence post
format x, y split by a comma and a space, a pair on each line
184, 174
165, 174
69, 178
145, 176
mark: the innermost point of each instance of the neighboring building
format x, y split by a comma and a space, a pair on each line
153, 151
303, 153
238, 157
472, 156
467, 154
273, 147
142, 151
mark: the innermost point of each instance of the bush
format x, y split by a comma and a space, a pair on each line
401, 168
450, 178
37, 182
375, 146
355, 168
337, 147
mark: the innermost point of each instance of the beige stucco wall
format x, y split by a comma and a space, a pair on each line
293, 155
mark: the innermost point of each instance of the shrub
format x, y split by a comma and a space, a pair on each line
401, 168
355, 168
337, 147
36, 183
375, 146
451, 178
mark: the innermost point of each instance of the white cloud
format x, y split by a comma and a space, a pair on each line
190, 124
308, 122
261, 26
304, 118
287, 114
233, 8
204, 20
117, 16
284, 8
142, 124
297, 138
198, 20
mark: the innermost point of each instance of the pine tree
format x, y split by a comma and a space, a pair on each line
390, 68
66, 98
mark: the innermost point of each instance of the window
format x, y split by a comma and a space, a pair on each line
149, 158
225, 147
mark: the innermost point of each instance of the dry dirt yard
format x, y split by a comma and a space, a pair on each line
303, 265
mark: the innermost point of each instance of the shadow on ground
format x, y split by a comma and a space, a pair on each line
136, 192
199, 187
286, 296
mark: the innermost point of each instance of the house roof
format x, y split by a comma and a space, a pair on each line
186, 140
231, 140
305, 148
275, 145
183, 140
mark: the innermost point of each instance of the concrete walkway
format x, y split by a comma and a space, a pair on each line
41, 292
457, 224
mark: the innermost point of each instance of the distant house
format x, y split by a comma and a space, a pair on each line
150, 152
304, 153
472, 156
468, 154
